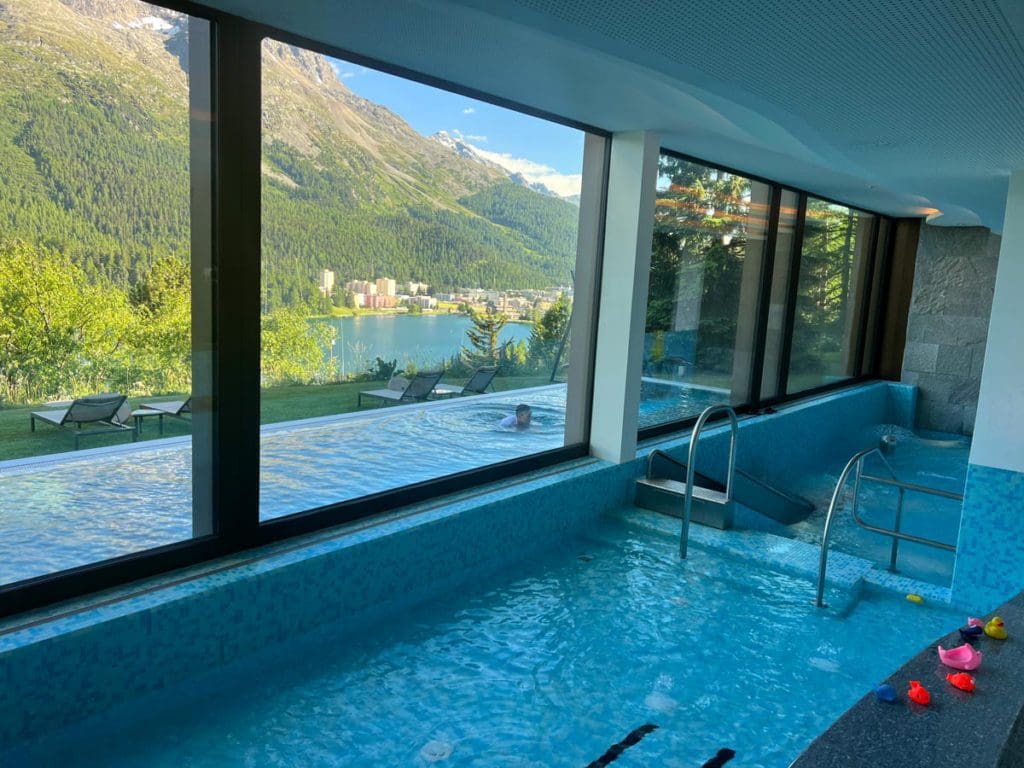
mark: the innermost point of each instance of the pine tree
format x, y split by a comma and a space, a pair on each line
483, 337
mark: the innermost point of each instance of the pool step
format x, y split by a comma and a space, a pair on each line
847, 574
710, 506
769, 500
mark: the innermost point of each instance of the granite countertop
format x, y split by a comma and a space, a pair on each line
984, 729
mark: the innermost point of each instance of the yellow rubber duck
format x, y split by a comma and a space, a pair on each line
996, 629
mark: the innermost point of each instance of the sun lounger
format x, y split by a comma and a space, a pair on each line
94, 409
477, 384
178, 408
417, 390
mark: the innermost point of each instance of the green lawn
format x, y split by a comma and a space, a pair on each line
277, 404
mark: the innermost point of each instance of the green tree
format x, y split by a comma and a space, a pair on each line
697, 259
60, 336
482, 336
548, 332
294, 349
161, 337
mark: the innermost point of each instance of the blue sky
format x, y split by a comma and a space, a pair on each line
540, 150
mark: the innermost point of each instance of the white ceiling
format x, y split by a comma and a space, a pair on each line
902, 106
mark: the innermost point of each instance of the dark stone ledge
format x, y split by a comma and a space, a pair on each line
984, 729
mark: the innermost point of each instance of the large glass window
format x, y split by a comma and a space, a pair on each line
837, 244
418, 260
101, 270
709, 239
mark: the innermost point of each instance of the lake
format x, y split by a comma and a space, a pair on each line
424, 340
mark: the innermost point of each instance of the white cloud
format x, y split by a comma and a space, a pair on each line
563, 184
471, 137
469, 110
345, 74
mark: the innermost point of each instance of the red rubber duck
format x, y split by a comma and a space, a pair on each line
918, 693
961, 680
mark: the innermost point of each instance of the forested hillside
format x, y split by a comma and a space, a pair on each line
94, 163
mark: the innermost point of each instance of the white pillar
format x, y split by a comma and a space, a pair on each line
629, 227
585, 296
989, 564
999, 426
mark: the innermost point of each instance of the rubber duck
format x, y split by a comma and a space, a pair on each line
964, 657
918, 693
961, 680
996, 629
973, 622
885, 692
970, 632
915, 598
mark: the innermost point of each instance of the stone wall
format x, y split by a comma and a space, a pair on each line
954, 278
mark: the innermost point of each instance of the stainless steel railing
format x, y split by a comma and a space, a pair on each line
691, 463
856, 464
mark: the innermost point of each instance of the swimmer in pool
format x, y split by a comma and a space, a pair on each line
520, 419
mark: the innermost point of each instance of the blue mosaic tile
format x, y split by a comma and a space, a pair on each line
903, 585
107, 654
901, 408
989, 567
845, 573
771, 444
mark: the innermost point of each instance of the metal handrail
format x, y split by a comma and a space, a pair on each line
915, 487
857, 462
691, 463
656, 453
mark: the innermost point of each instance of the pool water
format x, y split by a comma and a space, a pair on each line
936, 463
83, 508
545, 664
661, 403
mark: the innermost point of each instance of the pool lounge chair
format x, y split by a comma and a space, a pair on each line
416, 390
94, 409
178, 408
477, 384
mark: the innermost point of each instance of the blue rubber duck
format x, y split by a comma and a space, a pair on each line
885, 692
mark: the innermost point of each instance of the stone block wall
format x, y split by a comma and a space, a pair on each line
954, 279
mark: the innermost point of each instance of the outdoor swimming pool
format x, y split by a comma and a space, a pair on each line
76, 508
547, 663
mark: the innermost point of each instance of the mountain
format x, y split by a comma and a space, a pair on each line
94, 161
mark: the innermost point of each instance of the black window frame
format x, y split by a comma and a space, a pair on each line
876, 274
236, 74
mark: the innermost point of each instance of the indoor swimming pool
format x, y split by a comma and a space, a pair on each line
546, 663
938, 462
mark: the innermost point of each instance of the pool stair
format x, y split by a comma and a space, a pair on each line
848, 575
665, 495
664, 487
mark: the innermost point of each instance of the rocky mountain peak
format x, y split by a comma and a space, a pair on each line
313, 66
129, 14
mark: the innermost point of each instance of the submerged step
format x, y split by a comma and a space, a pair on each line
798, 558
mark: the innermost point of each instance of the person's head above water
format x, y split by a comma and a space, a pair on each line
523, 415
